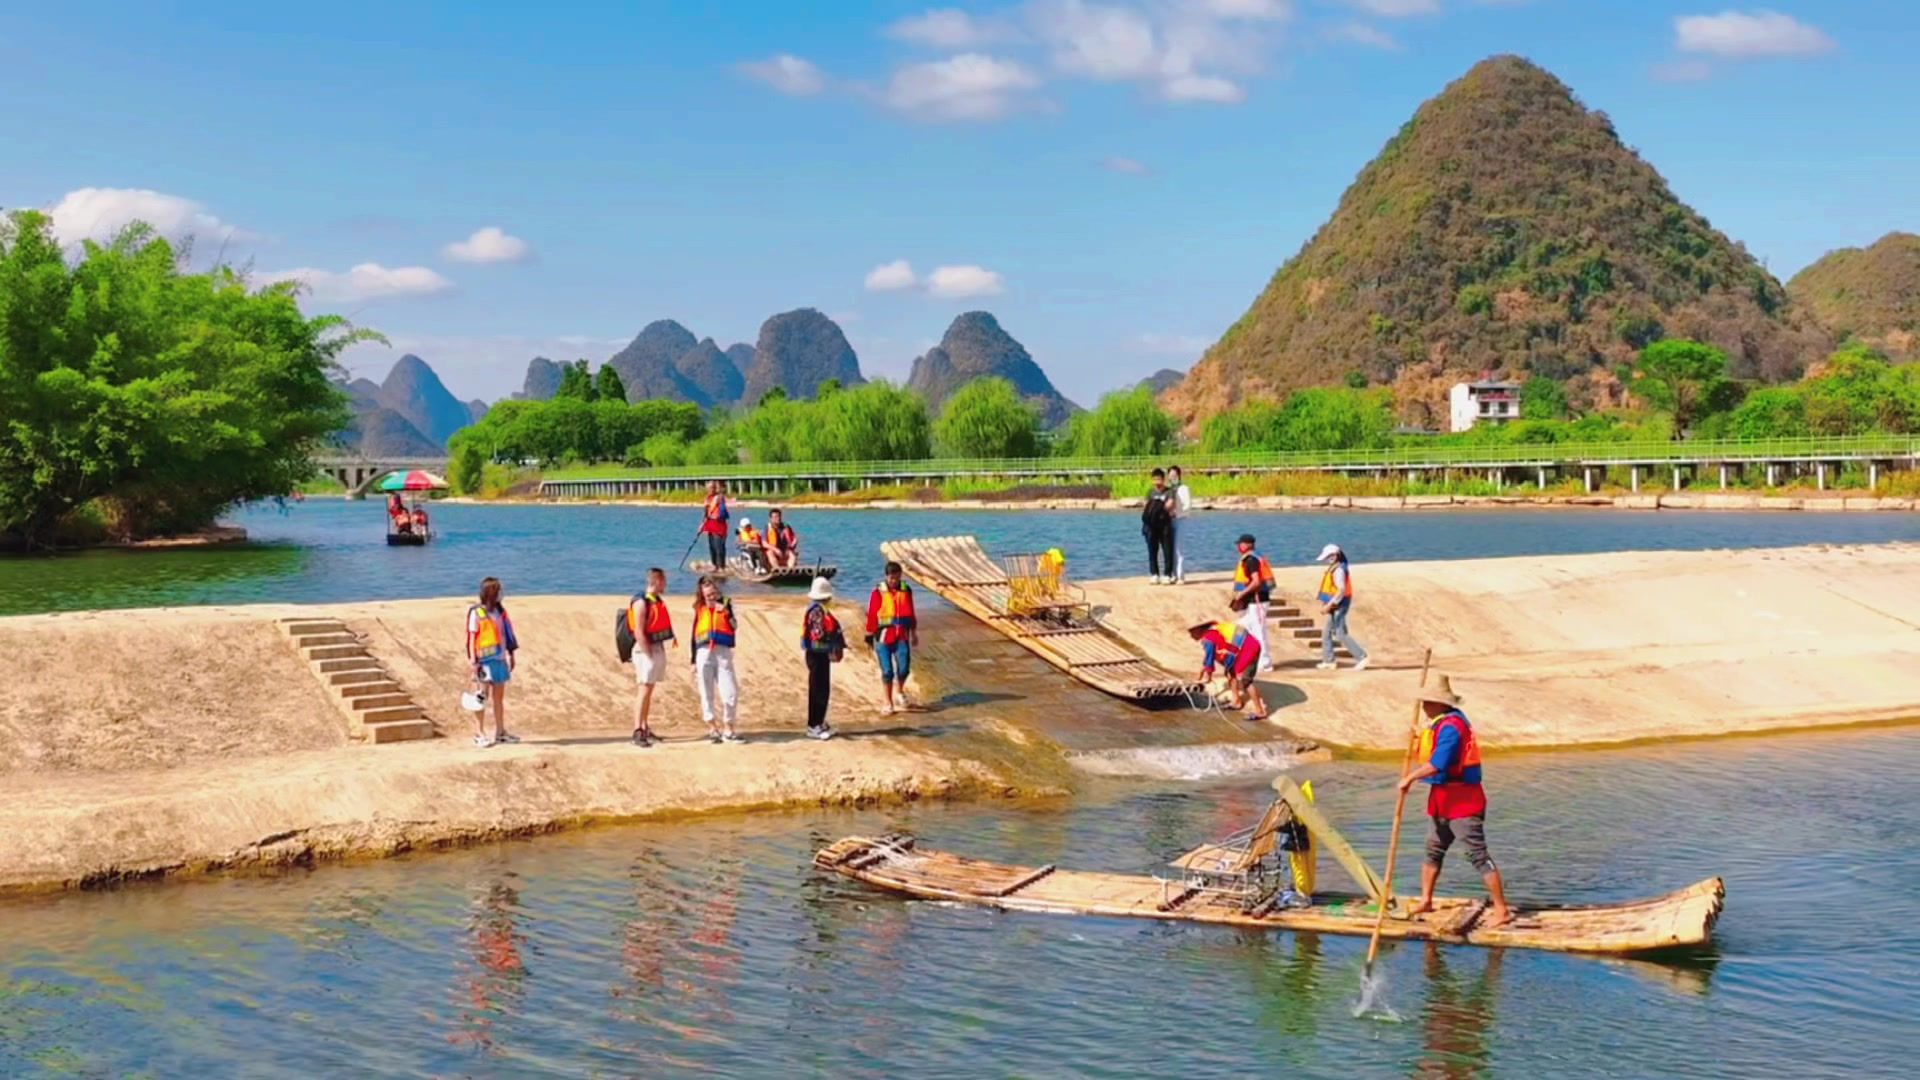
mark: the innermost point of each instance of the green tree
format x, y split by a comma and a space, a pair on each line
777, 393
467, 467
1253, 426
714, 448
1356, 380
1769, 413
157, 395
607, 385
987, 418
575, 382
874, 421
826, 389
1860, 392
1334, 419
1126, 423
1543, 399
1686, 378
663, 450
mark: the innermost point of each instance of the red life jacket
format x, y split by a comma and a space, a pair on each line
1458, 792
658, 624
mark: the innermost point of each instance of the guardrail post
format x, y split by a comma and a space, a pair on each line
1676, 478
1723, 476
1770, 473
1540, 472
1820, 475
1873, 475
1586, 474
1636, 479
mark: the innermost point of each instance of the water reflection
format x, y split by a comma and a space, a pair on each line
1457, 1021
495, 970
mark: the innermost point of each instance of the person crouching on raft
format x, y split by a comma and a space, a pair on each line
894, 632
712, 645
652, 627
713, 525
752, 544
1456, 803
490, 649
824, 643
1239, 656
783, 547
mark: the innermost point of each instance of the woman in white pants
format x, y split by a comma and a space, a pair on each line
713, 638
1182, 511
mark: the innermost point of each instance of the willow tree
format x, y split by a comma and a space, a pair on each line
987, 418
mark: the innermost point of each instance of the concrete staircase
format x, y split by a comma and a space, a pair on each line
376, 708
1284, 620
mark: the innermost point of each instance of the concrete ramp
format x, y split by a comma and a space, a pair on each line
1067, 636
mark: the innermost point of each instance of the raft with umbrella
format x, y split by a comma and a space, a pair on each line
409, 533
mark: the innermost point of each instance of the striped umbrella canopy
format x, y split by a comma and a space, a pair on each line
411, 480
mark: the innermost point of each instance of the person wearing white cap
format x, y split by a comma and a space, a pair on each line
824, 644
752, 544
1336, 599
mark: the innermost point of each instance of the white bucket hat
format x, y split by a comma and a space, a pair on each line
822, 589
1328, 552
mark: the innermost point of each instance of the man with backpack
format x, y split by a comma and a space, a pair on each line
641, 637
1156, 524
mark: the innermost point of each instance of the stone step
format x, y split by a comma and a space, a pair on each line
386, 731
377, 702
355, 691
360, 661
314, 641
1308, 633
357, 676
338, 652
314, 626
391, 712
1297, 623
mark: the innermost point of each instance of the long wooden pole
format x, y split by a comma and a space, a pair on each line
1399, 811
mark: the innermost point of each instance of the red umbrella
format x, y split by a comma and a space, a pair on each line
411, 480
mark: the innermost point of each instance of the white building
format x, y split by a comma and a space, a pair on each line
1485, 402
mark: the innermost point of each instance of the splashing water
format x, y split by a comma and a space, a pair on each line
1373, 994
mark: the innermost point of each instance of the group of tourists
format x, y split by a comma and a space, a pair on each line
645, 628
1169, 503
776, 549
401, 519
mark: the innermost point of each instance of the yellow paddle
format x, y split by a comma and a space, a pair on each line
1399, 811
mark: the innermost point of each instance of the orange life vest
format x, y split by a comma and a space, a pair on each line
489, 640
896, 605
1327, 593
659, 622
1233, 637
749, 536
713, 625
1263, 575
716, 507
1469, 746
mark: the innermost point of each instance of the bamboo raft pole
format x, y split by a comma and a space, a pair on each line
1069, 638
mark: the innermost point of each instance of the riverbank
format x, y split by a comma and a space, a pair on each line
1818, 502
1585, 650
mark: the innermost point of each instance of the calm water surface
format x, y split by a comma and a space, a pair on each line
332, 550
714, 949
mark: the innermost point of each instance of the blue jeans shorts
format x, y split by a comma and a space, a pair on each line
494, 670
896, 660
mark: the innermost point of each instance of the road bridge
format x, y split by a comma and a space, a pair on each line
358, 473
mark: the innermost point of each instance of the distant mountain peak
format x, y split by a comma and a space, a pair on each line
1871, 294
797, 351
976, 346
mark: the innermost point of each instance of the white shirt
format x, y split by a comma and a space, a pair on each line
1182, 501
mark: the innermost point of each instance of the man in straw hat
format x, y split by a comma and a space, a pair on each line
1239, 656
1456, 803
824, 643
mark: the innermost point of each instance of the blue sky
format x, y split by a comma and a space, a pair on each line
1114, 180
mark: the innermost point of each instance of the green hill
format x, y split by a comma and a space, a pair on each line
1872, 294
1505, 227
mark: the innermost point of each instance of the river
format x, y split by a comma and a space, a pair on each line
712, 948
327, 550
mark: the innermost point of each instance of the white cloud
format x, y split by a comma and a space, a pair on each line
954, 282
1203, 88
788, 74
893, 276
1359, 33
1126, 165
950, 28
1682, 71
489, 245
99, 213
1739, 34
970, 86
367, 281
1396, 9
1247, 9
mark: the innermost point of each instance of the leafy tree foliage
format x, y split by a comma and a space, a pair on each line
1685, 378
607, 385
872, 421
467, 468
158, 396
575, 382
987, 418
1543, 399
1317, 419
572, 429
1126, 423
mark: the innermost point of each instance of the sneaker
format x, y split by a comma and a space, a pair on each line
483, 741
507, 737
821, 733
1326, 665
642, 738
1362, 665
1180, 580
713, 737
730, 737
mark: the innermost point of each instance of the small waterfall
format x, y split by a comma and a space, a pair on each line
1192, 762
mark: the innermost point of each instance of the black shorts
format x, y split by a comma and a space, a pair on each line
1472, 834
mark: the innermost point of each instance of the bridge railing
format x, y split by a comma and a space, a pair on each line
1858, 447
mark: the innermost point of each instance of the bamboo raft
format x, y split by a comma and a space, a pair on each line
1232, 884
1058, 628
739, 568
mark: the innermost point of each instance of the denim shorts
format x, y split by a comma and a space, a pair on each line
494, 670
896, 660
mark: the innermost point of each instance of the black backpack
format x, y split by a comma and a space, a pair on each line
623, 634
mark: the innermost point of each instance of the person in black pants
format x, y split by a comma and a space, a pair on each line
1156, 524
824, 643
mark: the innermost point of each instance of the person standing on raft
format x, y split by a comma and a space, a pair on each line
652, 627
894, 632
1336, 599
490, 649
1239, 657
712, 644
713, 525
1456, 803
1252, 591
823, 642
